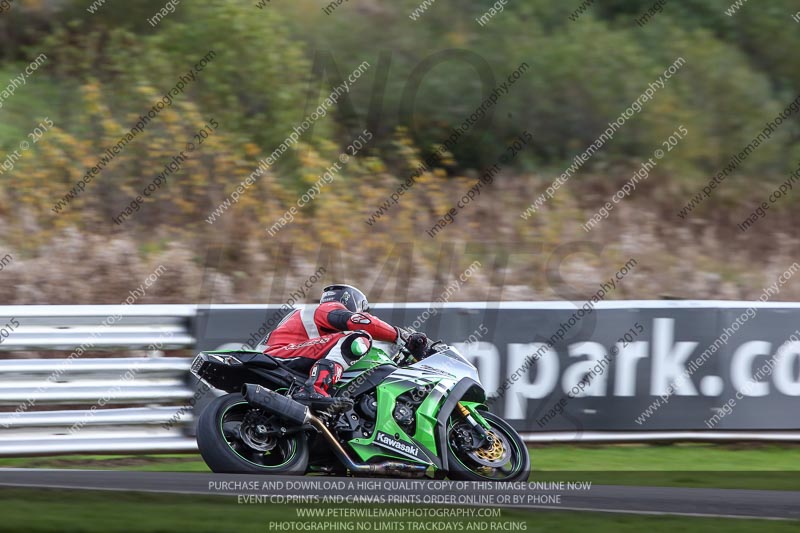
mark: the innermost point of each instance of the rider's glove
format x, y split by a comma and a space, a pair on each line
417, 345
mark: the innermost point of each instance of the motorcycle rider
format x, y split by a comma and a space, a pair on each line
326, 338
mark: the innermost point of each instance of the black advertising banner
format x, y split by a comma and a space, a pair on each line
614, 366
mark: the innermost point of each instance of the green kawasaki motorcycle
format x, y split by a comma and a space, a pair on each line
397, 417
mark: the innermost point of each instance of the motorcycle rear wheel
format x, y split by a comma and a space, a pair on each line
225, 449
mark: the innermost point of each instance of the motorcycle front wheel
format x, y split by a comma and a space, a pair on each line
234, 437
504, 458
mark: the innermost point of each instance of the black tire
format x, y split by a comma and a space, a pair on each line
463, 468
227, 455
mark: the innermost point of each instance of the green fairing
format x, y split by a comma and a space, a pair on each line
387, 397
373, 358
387, 394
426, 419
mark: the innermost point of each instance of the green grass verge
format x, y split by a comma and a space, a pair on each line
676, 457
110, 512
773, 467
151, 463
735, 466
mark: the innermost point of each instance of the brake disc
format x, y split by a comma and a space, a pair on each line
495, 454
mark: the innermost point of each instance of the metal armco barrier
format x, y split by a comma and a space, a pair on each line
624, 371
113, 405
100, 385
71, 381
66, 328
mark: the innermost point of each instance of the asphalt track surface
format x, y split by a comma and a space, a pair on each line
732, 503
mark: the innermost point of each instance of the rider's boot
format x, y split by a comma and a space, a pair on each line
316, 390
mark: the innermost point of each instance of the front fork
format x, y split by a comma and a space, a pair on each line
469, 412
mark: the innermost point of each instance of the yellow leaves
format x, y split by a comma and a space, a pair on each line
457, 39
251, 149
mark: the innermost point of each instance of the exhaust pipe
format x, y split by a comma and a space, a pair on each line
273, 402
300, 414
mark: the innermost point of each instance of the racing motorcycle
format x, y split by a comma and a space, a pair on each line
397, 416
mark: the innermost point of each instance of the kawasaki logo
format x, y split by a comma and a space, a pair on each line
387, 441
